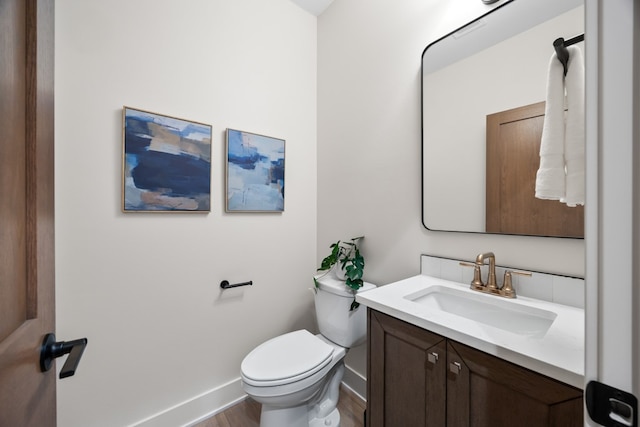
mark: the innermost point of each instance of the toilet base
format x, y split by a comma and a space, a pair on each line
297, 416
331, 420
320, 411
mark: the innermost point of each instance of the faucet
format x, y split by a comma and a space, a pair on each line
491, 285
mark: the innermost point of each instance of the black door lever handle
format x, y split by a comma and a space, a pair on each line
52, 349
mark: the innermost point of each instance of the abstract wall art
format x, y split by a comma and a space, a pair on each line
166, 163
255, 172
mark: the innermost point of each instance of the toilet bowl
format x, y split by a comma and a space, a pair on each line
296, 376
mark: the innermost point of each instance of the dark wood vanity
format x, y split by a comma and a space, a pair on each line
418, 378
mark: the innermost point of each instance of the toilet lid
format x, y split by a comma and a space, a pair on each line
287, 356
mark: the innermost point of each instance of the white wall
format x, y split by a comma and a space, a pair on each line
144, 288
369, 54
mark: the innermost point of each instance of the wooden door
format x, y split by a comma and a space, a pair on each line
513, 159
27, 396
406, 374
484, 391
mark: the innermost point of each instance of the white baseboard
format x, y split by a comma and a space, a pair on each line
198, 408
194, 410
356, 382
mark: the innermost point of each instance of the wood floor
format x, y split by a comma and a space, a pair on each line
247, 413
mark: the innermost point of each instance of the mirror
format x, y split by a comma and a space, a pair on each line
498, 63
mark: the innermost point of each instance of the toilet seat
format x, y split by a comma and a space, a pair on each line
285, 359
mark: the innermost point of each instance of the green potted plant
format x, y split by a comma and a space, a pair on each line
347, 262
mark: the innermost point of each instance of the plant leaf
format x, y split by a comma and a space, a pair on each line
354, 284
332, 258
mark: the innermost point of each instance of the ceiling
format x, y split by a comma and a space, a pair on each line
315, 7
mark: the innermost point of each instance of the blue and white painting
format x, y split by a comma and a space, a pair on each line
167, 163
255, 172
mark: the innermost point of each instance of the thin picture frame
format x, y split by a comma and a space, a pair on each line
166, 163
255, 172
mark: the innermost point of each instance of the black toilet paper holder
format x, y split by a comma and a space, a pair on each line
226, 285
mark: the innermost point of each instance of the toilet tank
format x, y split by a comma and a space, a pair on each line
333, 300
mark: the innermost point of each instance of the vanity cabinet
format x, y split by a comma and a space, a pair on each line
419, 378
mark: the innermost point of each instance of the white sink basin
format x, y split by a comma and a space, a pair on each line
487, 309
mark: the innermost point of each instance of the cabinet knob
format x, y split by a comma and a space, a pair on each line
455, 367
432, 357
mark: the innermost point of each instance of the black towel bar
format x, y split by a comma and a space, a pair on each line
562, 53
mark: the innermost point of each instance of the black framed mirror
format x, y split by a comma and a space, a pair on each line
494, 67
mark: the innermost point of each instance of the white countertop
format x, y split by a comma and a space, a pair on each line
559, 353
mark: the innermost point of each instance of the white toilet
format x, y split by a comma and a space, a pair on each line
296, 376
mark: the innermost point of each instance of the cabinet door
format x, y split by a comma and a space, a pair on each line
406, 376
483, 390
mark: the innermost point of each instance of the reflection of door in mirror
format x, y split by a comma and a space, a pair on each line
513, 147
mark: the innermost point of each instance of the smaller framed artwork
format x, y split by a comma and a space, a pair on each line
255, 172
166, 163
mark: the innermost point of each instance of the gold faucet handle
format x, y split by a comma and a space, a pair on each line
476, 283
507, 286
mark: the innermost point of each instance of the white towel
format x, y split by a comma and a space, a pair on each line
574, 140
550, 179
562, 163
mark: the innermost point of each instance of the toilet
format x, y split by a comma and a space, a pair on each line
296, 376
